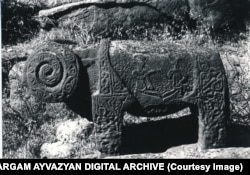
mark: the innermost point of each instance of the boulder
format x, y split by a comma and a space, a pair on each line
109, 14
73, 141
56, 150
54, 3
165, 6
103, 17
102, 22
70, 130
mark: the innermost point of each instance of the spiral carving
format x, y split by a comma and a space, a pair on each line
51, 73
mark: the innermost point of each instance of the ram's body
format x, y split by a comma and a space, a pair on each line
141, 78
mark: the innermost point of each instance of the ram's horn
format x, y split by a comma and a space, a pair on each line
51, 73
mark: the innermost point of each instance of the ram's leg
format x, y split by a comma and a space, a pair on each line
213, 114
107, 115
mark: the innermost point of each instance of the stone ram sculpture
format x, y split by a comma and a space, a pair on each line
141, 78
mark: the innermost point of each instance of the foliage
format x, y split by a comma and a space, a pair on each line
18, 23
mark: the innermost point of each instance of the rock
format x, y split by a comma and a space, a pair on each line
72, 136
215, 13
23, 102
20, 99
54, 3
137, 69
103, 22
51, 75
165, 6
69, 131
98, 17
59, 111
26, 104
56, 150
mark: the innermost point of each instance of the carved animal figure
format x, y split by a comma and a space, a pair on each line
141, 78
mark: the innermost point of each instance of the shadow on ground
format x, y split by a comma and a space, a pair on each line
158, 136
239, 136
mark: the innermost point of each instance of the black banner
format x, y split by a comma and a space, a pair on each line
215, 166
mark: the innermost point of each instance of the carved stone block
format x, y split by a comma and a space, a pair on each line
141, 78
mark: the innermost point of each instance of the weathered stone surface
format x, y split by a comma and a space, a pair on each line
15, 76
20, 99
52, 73
72, 135
25, 103
102, 18
70, 131
56, 150
165, 6
96, 15
153, 79
103, 22
54, 3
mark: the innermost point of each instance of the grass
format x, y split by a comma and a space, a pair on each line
24, 132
